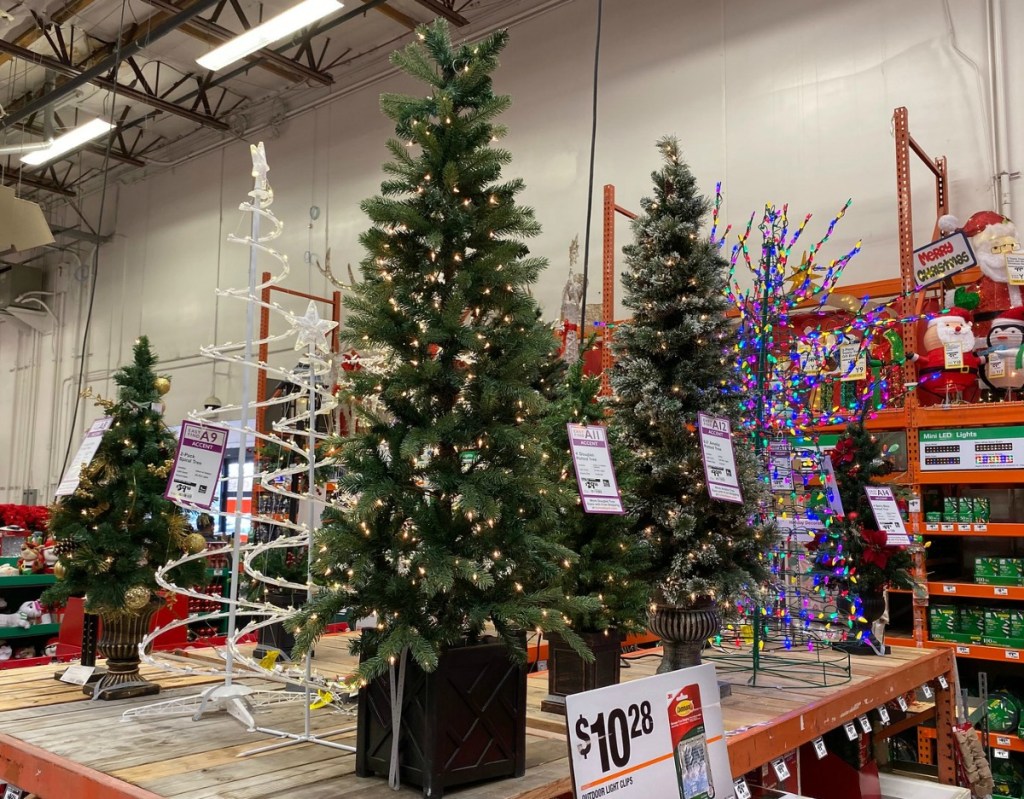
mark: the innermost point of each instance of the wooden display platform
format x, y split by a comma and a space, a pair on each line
57, 744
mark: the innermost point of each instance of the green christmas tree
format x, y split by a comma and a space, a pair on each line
449, 532
116, 529
674, 360
612, 558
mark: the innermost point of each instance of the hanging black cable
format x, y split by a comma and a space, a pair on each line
590, 179
95, 268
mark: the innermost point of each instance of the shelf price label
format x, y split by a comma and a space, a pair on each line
1001, 590
1001, 754
819, 748
948, 589
742, 791
1002, 740
963, 650
865, 724
943, 682
851, 731
649, 737
781, 769
14, 792
926, 689
883, 715
1012, 654
902, 702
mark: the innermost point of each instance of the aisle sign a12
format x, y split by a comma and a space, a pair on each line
660, 736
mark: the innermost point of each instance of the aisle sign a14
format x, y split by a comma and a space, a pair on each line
661, 736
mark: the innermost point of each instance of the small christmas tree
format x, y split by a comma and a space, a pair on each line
674, 360
116, 528
612, 558
449, 532
851, 554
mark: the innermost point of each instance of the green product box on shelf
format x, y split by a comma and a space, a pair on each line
933, 516
950, 509
971, 621
955, 638
1006, 643
965, 513
987, 571
982, 509
942, 621
1004, 623
1012, 568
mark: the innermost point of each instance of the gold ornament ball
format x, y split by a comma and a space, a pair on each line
136, 597
59, 571
194, 543
162, 385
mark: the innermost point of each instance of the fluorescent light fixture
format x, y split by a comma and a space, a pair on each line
71, 140
275, 28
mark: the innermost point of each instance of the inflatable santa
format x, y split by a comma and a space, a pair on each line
948, 338
993, 237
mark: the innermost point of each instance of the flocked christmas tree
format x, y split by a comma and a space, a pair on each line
673, 361
116, 528
612, 557
449, 529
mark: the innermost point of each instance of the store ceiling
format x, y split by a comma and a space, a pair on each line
139, 58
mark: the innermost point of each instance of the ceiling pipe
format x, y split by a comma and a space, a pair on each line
107, 64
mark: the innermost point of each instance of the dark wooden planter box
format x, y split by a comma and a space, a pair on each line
463, 723
275, 636
569, 674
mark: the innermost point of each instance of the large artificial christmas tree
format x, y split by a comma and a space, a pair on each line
674, 360
116, 528
448, 536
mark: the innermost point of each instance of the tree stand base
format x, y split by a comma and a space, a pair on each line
121, 689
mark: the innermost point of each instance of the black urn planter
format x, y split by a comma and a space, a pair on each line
683, 631
568, 673
464, 722
120, 636
275, 636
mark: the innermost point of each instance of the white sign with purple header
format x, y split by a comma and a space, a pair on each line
197, 464
595, 474
69, 483
887, 515
719, 458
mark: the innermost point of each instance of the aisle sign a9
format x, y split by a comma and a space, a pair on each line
661, 736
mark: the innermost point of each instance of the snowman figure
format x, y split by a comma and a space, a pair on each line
1004, 349
938, 383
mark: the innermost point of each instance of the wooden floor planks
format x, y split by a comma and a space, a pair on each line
175, 757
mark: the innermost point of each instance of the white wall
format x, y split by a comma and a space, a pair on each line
787, 101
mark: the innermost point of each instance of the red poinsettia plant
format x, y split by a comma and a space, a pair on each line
27, 517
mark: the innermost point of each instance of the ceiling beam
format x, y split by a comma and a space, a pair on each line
109, 63
32, 33
124, 92
212, 33
42, 185
441, 10
396, 15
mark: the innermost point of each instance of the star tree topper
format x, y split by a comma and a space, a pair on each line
311, 329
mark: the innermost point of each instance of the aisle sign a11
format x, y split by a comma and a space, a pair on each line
93, 438
595, 474
195, 474
660, 736
719, 458
887, 515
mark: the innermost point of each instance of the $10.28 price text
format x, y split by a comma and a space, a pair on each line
614, 733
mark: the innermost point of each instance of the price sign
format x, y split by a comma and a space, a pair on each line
14, 792
883, 714
742, 791
948, 589
1015, 269
853, 362
902, 702
1001, 754
781, 769
943, 682
781, 455
996, 366
1001, 591
963, 650
1003, 740
658, 736
595, 474
720, 471
887, 515
77, 675
1012, 654
819, 748
953, 355
197, 464
851, 731
865, 724
927, 691
69, 483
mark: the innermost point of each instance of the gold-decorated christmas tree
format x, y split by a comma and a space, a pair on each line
116, 528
